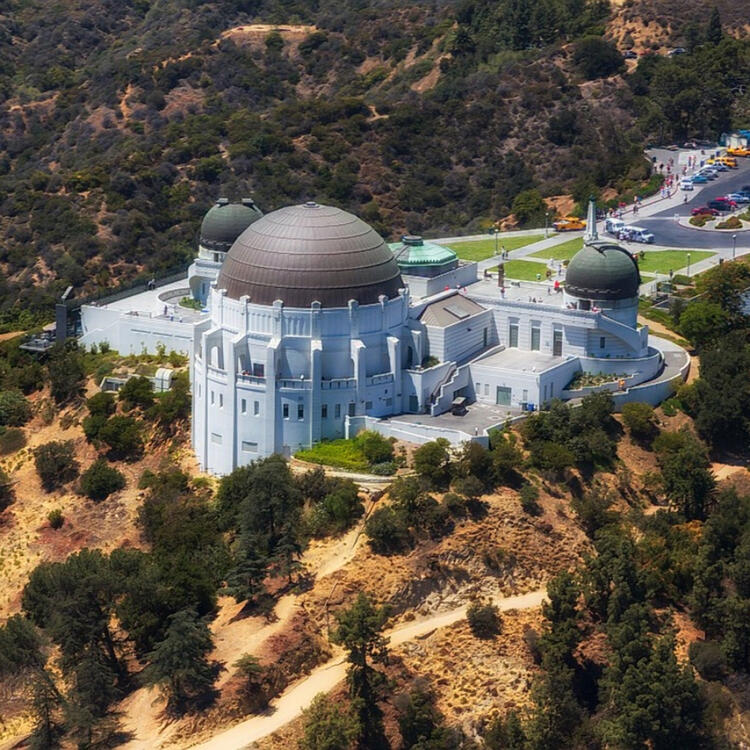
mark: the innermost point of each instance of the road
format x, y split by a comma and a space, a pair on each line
668, 232
322, 680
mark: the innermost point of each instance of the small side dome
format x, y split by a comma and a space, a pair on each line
225, 222
603, 271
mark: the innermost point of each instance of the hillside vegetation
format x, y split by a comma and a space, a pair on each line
122, 122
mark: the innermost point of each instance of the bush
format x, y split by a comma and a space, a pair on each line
731, 223
640, 419
55, 463
7, 495
375, 448
12, 440
432, 461
138, 391
56, 518
66, 373
385, 469
597, 58
454, 504
529, 497
708, 658
15, 410
123, 436
100, 480
387, 531
101, 404
484, 619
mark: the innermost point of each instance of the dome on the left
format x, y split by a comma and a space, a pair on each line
225, 222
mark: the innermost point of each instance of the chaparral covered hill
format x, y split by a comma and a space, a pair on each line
120, 122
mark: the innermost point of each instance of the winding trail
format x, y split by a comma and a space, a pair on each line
323, 679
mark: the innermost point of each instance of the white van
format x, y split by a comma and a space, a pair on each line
613, 226
686, 185
639, 234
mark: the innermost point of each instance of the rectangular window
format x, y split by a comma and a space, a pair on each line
324, 411
300, 411
368, 404
536, 338
525, 396
545, 392
256, 408
486, 389
259, 370
285, 411
478, 389
352, 407
513, 335
248, 447
244, 406
213, 398
602, 342
199, 390
221, 401
389, 402
337, 411
216, 438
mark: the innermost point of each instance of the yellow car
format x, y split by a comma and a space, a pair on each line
569, 224
728, 161
738, 151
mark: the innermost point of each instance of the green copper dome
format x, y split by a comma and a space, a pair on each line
602, 271
414, 253
225, 222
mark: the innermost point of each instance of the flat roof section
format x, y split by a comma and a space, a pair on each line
450, 310
520, 360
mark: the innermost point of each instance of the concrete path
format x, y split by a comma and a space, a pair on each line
298, 697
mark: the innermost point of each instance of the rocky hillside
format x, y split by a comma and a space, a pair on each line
121, 122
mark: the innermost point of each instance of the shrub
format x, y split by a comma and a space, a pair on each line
385, 469
55, 463
12, 440
454, 504
387, 531
138, 391
66, 373
484, 619
700, 219
101, 404
529, 496
375, 448
640, 419
596, 58
100, 480
7, 495
56, 518
15, 409
708, 658
123, 436
432, 461
731, 223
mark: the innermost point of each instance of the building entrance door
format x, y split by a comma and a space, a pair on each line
557, 343
513, 336
503, 396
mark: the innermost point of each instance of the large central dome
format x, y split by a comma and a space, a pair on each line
302, 254
602, 271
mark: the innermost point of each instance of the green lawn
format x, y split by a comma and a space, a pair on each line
564, 251
661, 261
523, 270
343, 454
481, 249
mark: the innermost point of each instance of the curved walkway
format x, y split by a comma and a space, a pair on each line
296, 699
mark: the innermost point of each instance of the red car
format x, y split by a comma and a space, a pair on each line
704, 210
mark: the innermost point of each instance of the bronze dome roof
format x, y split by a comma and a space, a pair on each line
302, 254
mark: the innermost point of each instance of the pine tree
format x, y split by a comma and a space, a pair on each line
713, 31
329, 726
179, 663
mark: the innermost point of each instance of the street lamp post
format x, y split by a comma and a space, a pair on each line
688, 265
497, 238
734, 245
546, 224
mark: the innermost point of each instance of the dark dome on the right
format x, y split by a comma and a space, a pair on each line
225, 222
602, 270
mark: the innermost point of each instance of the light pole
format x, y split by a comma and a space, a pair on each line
546, 223
734, 245
688, 266
497, 237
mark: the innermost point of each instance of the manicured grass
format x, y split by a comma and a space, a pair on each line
564, 251
523, 270
344, 454
481, 249
661, 261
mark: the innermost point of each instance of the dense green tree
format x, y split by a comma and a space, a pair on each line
359, 630
713, 30
100, 480
432, 462
123, 435
421, 724
484, 619
703, 322
387, 531
179, 664
374, 446
640, 419
173, 406
137, 391
595, 57
55, 463
67, 374
15, 409
329, 726
506, 733
724, 285
529, 208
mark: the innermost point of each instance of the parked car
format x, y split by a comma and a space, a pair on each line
568, 224
717, 165
722, 205
703, 210
686, 184
708, 173
630, 55
728, 161
699, 179
738, 151
739, 197
676, 51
